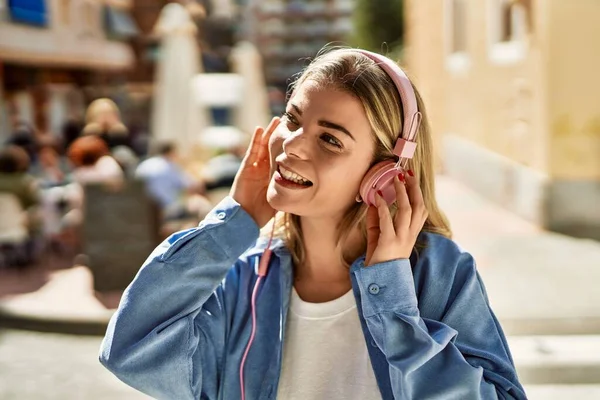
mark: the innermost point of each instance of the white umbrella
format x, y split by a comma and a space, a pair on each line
254, 107
175, 116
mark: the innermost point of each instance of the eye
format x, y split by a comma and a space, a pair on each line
290, 120
331, 140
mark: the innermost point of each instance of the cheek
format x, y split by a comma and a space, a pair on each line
343, 178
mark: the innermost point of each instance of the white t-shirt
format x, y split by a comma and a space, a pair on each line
324, 353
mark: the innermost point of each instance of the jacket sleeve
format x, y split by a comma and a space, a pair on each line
169, 330
464, 355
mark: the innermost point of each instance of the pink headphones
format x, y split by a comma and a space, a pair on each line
380, 176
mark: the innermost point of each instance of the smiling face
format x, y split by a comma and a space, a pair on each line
319, 153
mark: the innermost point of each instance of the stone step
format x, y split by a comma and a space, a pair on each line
557, 360
562, 392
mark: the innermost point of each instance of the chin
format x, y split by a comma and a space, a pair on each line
283, 202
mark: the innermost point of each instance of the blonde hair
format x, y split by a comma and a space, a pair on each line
100, 107
95, 118
356, 74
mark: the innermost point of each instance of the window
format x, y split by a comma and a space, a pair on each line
456, 37
459, 32
508, 24
118, 24
512, 21
31, 12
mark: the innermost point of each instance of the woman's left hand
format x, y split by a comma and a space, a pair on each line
394, 238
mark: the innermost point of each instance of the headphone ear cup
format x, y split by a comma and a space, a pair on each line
379, 178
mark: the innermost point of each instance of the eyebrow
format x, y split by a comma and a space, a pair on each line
327, 124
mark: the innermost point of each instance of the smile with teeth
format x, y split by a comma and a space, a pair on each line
294, 177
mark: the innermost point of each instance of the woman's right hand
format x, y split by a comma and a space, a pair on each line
252, 180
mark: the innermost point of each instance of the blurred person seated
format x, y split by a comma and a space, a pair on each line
14, 232
23, 136
15, 178
103, 119
49, 170
92, 162
218, 174
19, 211
219, 171
177, 194
60, 197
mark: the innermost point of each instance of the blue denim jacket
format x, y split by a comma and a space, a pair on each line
183, 324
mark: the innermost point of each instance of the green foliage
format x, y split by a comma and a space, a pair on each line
379, 26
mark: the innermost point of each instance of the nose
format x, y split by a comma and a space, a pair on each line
296, 145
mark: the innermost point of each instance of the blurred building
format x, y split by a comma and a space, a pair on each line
215, 20
513, 91
286, 31
51, 50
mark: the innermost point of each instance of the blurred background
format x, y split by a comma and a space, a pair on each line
123, 121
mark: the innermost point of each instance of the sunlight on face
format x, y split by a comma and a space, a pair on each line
319, 153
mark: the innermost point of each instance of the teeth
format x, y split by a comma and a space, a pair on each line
291, 176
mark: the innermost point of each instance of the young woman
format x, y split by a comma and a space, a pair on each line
362, 294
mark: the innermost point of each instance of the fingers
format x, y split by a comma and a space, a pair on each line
372, 232
259, 144
386, 226
263, 150
403, 216
419, 211
253, 150
387, 239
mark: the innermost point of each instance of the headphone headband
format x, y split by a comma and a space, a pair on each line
405, 145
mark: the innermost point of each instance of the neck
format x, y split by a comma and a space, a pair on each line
323, 255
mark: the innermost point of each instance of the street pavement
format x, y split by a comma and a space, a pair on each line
538, 282
49, 366
543, 288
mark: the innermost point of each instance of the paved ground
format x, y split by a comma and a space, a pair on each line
538, 282
40, 366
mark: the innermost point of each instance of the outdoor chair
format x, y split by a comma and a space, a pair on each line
120, 230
